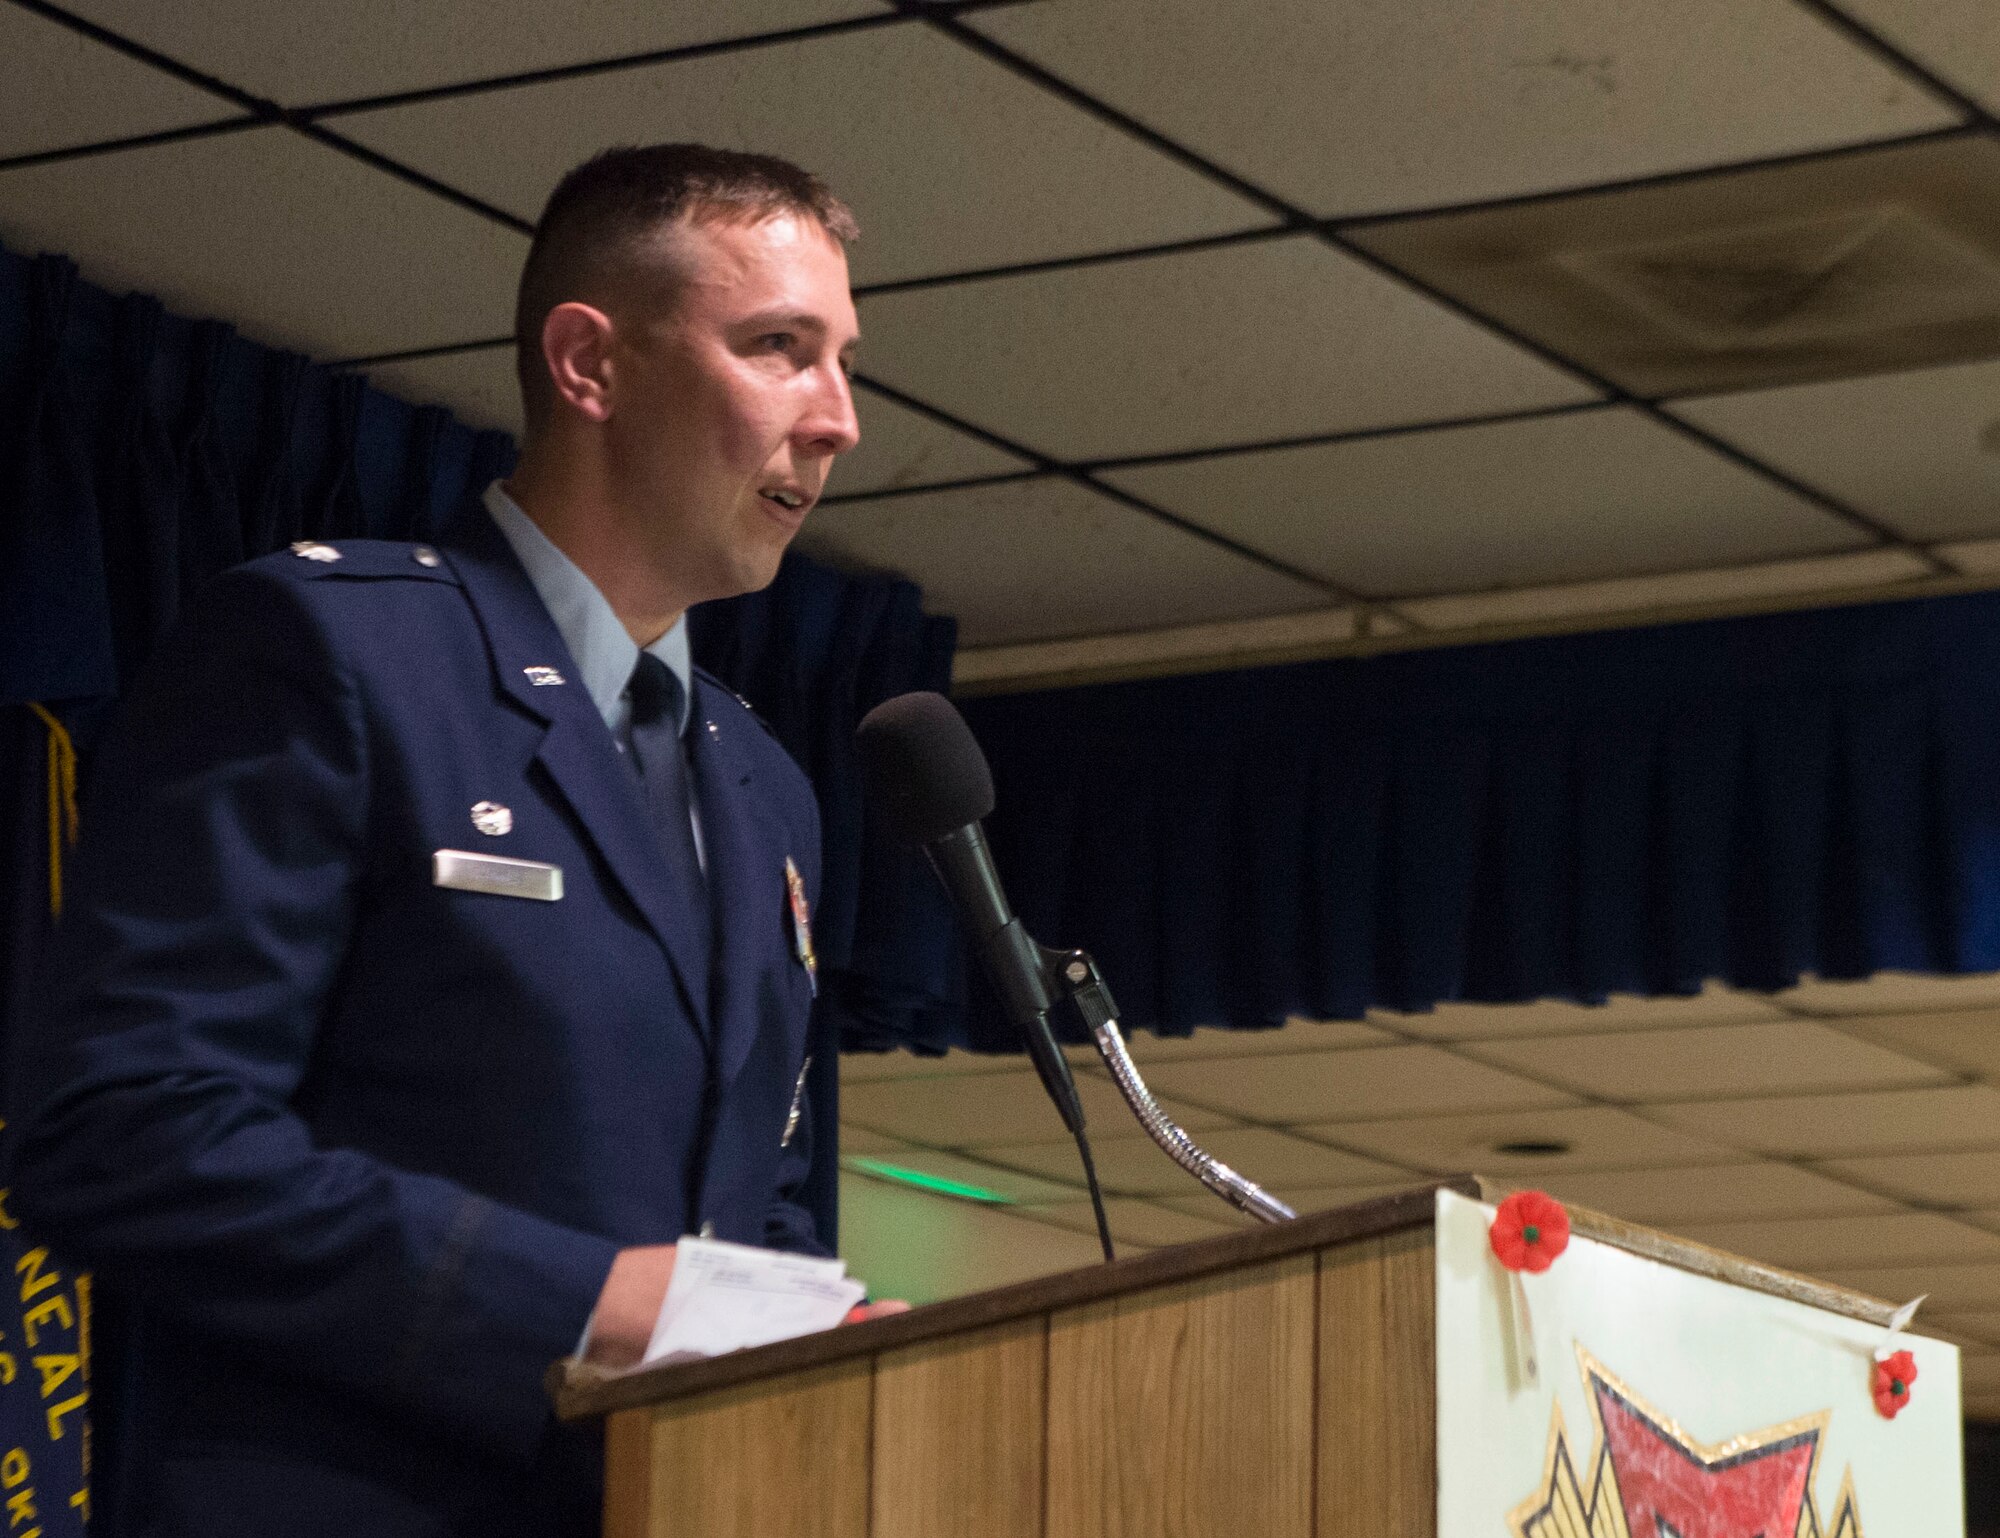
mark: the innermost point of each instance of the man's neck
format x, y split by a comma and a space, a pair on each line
581, 523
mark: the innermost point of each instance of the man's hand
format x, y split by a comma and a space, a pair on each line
861, 1313
622, 1325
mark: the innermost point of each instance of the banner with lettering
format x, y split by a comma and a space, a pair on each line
44, 1389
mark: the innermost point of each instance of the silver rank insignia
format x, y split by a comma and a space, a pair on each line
798, 1105
802, 934
541, 678
313, 550
491, 818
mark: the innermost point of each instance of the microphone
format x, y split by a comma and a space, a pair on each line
923, 772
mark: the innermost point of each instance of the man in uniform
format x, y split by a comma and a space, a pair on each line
438, 948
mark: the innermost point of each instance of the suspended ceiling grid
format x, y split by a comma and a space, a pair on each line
1229, 329
1849, 1131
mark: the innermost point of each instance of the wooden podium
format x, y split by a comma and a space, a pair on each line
1280, 1381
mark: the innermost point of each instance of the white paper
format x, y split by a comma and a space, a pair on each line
726, 1297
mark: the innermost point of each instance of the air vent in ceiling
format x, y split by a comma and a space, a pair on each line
1800, 281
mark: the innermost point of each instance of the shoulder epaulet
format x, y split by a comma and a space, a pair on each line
366, 558
749, 709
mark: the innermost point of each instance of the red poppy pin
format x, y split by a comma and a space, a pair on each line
1893, 1377
1530, 1230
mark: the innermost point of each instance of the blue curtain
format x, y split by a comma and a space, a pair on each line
140, 454
1635, 811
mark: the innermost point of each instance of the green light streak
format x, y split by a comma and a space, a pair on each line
897, 1175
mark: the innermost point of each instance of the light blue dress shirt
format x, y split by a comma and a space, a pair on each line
599, 644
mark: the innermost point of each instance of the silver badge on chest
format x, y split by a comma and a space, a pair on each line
798, 1105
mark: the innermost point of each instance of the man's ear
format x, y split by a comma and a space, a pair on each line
576, 347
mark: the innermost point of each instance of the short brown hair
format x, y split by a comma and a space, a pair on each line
601, 212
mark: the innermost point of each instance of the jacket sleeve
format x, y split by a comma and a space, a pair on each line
156, 1134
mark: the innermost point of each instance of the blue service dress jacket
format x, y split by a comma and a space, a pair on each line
359, 1147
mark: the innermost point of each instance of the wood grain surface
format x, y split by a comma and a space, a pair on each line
581, 1390
959, 1431
1186, 1411
780, 1460
1377, 1430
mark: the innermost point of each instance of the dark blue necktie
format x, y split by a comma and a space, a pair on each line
663, 770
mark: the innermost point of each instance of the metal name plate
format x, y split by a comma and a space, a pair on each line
468, 872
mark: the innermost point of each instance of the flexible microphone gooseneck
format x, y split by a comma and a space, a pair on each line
924, 775
926, 778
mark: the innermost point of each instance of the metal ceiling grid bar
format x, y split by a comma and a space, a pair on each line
1347, 435
1057, 469
135, 142
425, 94
1659, 179
1866, 37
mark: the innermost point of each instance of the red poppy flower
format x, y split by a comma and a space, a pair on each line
1530, 1230
1893, 1378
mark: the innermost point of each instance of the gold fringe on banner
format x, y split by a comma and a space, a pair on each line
62, 799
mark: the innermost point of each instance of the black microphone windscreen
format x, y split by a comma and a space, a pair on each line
921, 767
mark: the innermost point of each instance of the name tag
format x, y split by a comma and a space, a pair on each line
502, 877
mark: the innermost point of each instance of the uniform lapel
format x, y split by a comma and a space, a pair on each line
745, 847
576, 750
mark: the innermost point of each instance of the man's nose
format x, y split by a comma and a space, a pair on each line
831, 426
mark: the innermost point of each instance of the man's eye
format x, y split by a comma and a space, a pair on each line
777, 341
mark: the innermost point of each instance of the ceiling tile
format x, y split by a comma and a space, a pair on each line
1919, 450
1554, 499
65, 90
1135, 1166
1746, 1059
1967, 1042
294, 243
860, 1140
1010, 1183
1303, 1200
908, 1244
1714, 1005
1295, 1035
1377, 104
1951, 1288
1665, 1198
1958, 39
1134, 1222
900, 447
1881, 259
1936, 1179
1596, 1138
1169, 649
982, 1109
1723, 589
477, 386
888, 117
1413, 1080
1813, 1244
1030, 559
858, 1066
1241, 343
359, 48
1891, 993
1823, 1126
1978, 556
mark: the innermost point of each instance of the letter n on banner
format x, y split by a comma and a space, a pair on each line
44, 1389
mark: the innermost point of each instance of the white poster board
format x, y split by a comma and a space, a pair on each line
1669, 1405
